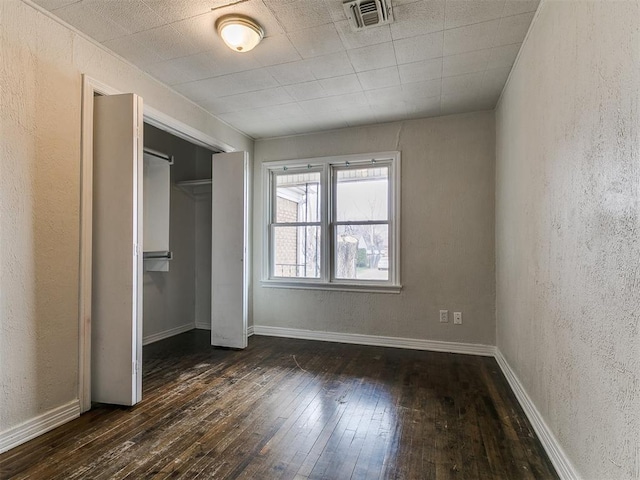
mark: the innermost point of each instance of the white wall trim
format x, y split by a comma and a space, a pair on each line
359, 339
36, 426
561, 462
206, 326
160, 120
156, 337
552, 447
90, 86
58, 416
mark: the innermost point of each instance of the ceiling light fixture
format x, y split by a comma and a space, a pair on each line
239, 32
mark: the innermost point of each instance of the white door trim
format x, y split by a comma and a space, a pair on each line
90, 87
152, 116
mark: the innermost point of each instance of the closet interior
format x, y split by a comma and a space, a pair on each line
177, 235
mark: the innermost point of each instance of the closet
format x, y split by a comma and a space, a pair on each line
177, 273
168, 247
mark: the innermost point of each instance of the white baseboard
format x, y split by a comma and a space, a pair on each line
54, 418
156, 337
359, 339
38, 425
203, 326
560, 461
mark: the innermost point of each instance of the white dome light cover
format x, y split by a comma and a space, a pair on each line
239, 32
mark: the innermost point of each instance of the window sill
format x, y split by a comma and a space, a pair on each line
340, 287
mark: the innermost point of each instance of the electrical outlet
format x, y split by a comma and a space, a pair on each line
457, 318
444, 316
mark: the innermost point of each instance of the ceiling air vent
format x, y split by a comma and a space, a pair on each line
368, 13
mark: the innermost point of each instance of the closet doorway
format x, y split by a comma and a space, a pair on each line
179, 246
177, 236
121, 262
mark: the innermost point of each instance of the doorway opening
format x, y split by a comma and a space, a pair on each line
154, 119
177, 269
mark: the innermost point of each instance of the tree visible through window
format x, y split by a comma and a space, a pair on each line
362, 223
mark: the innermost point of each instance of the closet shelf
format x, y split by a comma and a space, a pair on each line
195, 187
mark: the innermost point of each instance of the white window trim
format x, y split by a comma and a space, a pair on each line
325, 282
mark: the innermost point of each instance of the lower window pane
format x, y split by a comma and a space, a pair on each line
296, 252
362, 252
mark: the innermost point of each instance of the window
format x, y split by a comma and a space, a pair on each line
333, 222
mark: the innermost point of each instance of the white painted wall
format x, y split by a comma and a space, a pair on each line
40, 78
567, 230
447, 245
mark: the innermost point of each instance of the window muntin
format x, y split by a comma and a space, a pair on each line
333, 222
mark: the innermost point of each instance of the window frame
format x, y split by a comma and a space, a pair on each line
272, 224
328, 166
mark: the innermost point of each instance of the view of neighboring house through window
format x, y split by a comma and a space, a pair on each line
333, 221
297, 227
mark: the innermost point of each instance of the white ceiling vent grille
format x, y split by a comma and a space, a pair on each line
368, 13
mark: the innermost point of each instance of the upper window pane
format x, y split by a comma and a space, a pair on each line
297, 197
362, 194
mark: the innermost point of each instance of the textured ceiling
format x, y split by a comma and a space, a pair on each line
311, 72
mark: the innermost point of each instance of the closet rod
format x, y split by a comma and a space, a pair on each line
160, 155
157, 255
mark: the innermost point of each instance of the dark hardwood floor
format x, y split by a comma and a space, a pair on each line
297, 409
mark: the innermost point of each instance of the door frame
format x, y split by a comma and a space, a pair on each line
156, 118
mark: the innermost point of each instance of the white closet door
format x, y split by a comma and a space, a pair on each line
229, 264
116, 317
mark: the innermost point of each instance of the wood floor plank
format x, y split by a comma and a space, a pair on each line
296, 410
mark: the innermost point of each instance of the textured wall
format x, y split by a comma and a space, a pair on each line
447, 245
568, 225
41, 85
